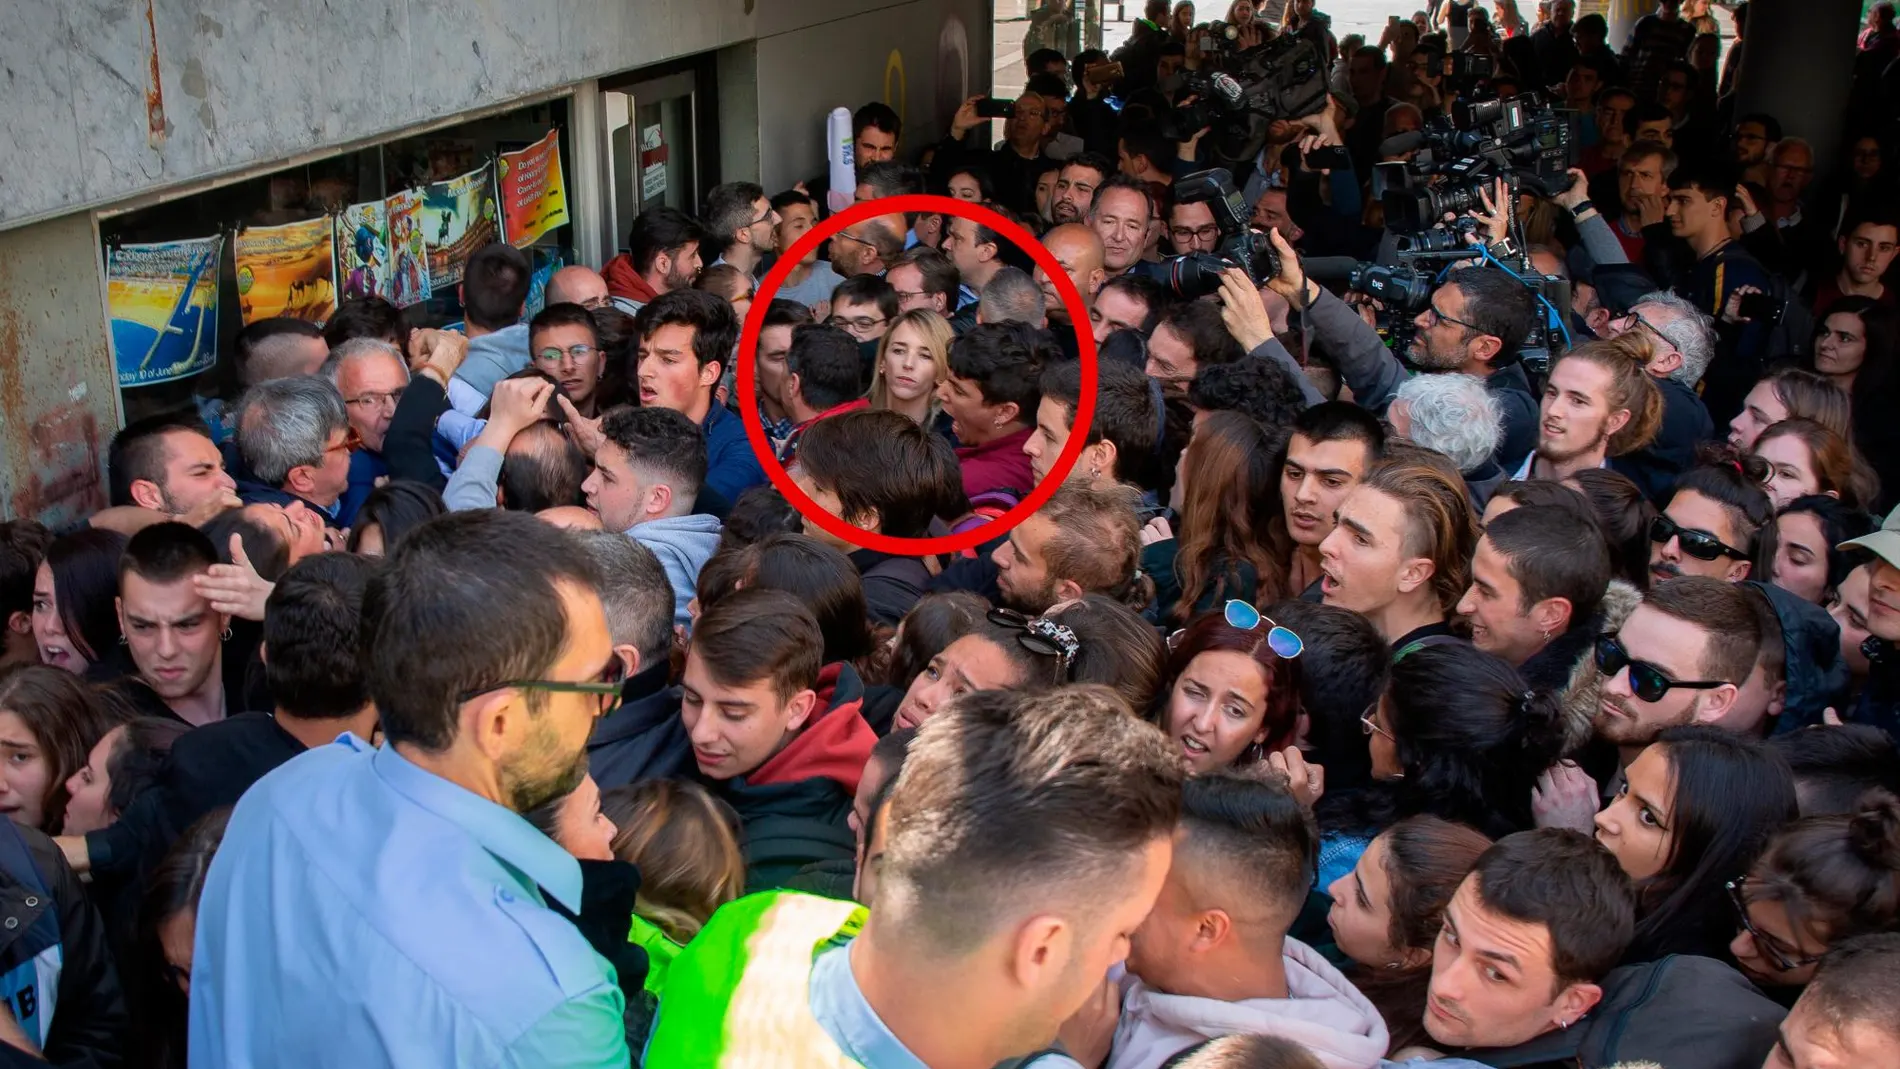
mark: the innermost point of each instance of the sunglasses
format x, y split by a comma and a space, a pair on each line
1043, 637
1282, 641
1646, 680
1698, 544
1770, 946
609, 686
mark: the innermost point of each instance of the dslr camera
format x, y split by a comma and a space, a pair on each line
1279, 79
1197, 274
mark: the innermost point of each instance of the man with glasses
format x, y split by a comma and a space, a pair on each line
925, 278
868, 246
777, 732
1681, 657
371, 375
863, 307
1755, 138
1682, 343
578, 284
1718, 524
1191, 228
295, 440
488, 667
564, 344
739, 218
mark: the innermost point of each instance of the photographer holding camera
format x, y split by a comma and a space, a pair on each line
1474, 324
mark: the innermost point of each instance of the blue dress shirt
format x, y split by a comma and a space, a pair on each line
363, 912
840, 1007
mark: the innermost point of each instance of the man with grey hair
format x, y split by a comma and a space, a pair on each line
295, 441
643, 737
1011, 296
371, 375
1682, 342
1455, 415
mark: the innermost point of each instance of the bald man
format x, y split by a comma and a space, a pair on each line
572, 517
868, 247
1078, 249
578, 285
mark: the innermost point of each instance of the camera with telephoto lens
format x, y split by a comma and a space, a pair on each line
1197, 274
1279, 79
1519, 139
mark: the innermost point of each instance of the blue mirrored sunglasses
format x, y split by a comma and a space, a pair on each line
1282, 641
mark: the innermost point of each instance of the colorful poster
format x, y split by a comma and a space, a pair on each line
409, 263
287, 270
362, 250
163, 301
458, 217
533, 194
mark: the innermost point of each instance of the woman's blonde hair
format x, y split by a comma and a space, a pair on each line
685, 843
937, 334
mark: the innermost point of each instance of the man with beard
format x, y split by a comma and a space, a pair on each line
1076, 184
662, 256
1719, 523
1680, 658
482, 722
1598, 403
740, 218
1086, 540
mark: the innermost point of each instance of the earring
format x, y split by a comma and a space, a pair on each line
1392, 965
1546, 633
1563, 1023
226, 636
122, 640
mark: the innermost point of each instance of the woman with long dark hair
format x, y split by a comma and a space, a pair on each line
1809, 560
1117, 648
49, 723
1855, 346
1231, 698
391, 511
1460, 735
160, 985
1388, 910
75, 618
1695, 809
1232, 496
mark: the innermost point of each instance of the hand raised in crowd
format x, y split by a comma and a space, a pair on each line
1565, 797
235, 589
1494, 221
518, 404
1089, 1032
1576, 193
1649, 209
1323, 128
1156, 530
207, 510
1242, 310
1732, 308
1291, 282
1749, 207
966, 118
1306, 780
441, 351
585, 433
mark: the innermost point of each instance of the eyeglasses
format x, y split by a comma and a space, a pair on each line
1042, 636
352, 441
1698, 544
609, 686
1182, 234
1646, 680
551, 356
1281, 640
1440, 317
1369, 722
1770, 946
384, 399
856, 322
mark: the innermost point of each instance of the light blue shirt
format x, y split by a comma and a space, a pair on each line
840, 1008
363, 913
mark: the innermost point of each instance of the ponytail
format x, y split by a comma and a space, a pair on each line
1837, 875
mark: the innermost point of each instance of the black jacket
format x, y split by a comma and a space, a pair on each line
1879, 702
1816, 676
409, 444
1681, 1011
644, 738
1685, 425
892, 584
52, 934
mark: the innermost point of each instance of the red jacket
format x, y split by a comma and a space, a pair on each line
997, 465
624, 281
834, 744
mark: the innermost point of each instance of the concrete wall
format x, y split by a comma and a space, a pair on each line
108, 99
58, 404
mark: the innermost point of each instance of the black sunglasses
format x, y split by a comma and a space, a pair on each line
1646, 680
1698, 544
609, 686
1042, 636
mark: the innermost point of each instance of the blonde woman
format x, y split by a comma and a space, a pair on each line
913, 358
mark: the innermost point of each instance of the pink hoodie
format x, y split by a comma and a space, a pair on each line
1324, 1013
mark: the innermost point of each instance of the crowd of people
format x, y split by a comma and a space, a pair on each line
471, 697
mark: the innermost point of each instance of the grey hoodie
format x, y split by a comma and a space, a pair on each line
491, 358
683, 544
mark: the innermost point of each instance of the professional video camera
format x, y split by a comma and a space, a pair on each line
1520, 139
1197, 274
1279, 79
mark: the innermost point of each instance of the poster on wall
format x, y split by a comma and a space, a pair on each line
409, 254
287, 270
652, 164
458, 217
533, 193
163, 303
362, 250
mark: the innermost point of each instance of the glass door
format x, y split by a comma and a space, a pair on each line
653, 150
